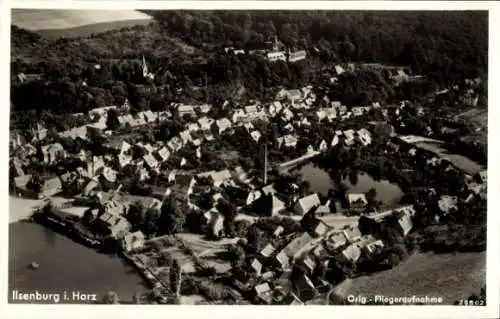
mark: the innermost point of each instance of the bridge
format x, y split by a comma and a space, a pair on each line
413, 139
298, 160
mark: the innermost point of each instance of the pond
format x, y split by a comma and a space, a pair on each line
320, 181
65, 266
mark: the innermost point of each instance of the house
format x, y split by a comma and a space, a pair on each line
133, 241
39, 133
237, 115
349, 137
113, 224
239, 175
357, 201
335, 240
278, 231
274, 108
304, 122
339, 70
291, 95
364, 136
305, 204
323, 146
282, 260
297, 245
53, 152
150, 161
352, 234
184, 109
248, 126
214, 223
256, 266
310, 149
101, 111
286, 115
335, 141
221, 125
296, 56
204, 108
185, 137
268, 205
289, 127
405, 224
174, 144
220, 177
185, 183
287, 141
267, 251
371, 247
51, 187
350, 254
205, 123
107, 173
324, 209
307, 264
320, 252
268, 190
256, 135
276, 56
263, 293
162, 154
447, 204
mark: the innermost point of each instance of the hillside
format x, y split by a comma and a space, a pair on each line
36, 19
451, 276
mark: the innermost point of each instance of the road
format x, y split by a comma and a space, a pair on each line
332, 220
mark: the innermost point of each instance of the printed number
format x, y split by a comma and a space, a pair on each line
477, 302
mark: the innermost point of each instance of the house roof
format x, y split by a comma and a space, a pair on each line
268, 250
221, 176
357, 198
297, 244
309, 202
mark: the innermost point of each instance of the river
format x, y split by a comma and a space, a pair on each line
65, 266
387, 192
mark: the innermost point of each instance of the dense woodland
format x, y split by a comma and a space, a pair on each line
185, 51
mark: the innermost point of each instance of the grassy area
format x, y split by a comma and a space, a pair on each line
66, 19
451, 276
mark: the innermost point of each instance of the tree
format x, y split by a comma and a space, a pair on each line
112, 120
136, 216
111, 297
371, 195
172, 218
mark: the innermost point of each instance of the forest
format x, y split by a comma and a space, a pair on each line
185, 51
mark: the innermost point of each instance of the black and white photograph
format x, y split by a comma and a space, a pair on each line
248, 157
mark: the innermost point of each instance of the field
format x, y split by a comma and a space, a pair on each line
460, 161
72, 22
450, 276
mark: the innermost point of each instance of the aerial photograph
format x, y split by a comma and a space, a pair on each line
241, 157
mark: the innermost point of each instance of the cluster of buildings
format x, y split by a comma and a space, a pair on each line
272, 51
270, 278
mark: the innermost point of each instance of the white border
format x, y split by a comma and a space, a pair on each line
85, 311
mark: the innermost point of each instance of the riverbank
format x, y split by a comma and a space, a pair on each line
21, 208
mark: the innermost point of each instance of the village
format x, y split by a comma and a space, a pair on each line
209, 205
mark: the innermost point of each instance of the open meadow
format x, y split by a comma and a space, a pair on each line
451, 276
